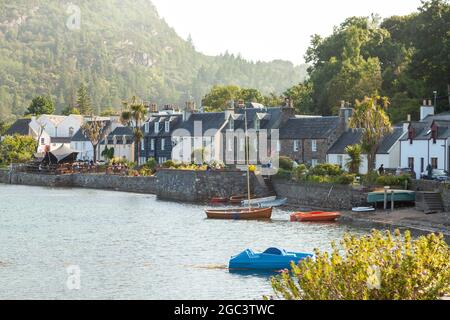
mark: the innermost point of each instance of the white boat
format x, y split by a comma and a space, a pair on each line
275, 203
257, 201
363, 209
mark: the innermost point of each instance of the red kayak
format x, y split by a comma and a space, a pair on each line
315, 216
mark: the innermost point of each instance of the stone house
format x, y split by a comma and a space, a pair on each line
307, 139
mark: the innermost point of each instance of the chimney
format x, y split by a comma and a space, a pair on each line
230, 110
153, 108
407, 123
345, 113
188, 110
427, 109
288, 111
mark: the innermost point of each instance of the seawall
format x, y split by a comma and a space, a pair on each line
314, 195
178, 185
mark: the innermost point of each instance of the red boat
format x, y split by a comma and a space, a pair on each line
315, 216
218, 200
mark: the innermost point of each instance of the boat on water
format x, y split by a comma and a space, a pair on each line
273, 204
240, 214
315, 216
272, 259
257, 201
399, 195
239, 199
219, 200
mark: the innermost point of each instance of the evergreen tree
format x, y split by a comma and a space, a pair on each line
83, 100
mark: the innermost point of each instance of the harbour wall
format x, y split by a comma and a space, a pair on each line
324, 196
178, 185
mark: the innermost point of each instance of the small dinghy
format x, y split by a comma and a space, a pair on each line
239, 199
218, 200
273, 204
272, 259
363, 209
316, 216
240, 214
257, 201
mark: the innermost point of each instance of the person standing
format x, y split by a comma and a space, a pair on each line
381, 170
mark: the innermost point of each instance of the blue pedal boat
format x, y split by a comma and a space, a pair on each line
272, 259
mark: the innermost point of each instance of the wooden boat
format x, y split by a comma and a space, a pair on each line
315, 216
239, 213
399, 195
219, 200
271, 259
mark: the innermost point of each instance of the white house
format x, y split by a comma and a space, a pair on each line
427, 142
388, 153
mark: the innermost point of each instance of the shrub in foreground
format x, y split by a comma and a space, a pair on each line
380, 266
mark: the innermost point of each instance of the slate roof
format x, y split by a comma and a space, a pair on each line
354, 136
60, 139
268, 117
174, 120
309, 128
21, 127
209, 120
79, 136
423, 128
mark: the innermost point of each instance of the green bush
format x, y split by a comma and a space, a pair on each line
380, 266
286, 163
326, 169
151, 164
283, 174
17, 149
169, 164
389, 180
300, 172
345, 179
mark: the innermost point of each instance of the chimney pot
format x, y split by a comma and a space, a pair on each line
409, 118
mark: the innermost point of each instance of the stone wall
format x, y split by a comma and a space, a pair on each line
201, 186
179, 185
446, 199
427, 185
325, 196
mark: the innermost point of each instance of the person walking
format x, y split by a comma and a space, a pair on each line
381, 170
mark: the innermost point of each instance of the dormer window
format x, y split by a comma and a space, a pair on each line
156, 127
147, 125
231, 124
167, 126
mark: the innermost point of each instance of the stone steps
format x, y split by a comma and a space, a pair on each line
429, 202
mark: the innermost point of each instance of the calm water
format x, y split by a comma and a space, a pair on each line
131, 246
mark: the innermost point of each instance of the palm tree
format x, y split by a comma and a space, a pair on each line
355, 161
370, 115
133, 115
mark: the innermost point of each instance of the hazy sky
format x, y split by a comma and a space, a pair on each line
267, 29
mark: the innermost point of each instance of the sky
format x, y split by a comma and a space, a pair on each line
266, 30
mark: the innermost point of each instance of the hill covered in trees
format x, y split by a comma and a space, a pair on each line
121, 48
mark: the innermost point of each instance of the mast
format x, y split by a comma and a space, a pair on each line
247, 161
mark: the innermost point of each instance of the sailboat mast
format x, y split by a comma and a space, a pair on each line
247, 161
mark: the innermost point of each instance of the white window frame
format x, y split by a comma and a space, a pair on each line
142, 145
314, 162
163, 144
167, 126
156, 127
296, 145
147, 127
314, 145
152, 144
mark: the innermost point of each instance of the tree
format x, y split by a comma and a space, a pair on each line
134, 114
108, 153
95, 132
354, 163
219, 97
371, 117
70, 110
41, 105
380, 266
17, 149
83, 100
301, 94
3, 127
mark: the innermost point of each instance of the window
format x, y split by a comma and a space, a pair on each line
411, 163
296, 145
156, 127
314, 145
230, 145
314, 162
422, 165
71, 132
231, 124
167, 126
434, 163
142, 145
152, 144
42, 141
163, 144
257, 124
147, 125
340, 160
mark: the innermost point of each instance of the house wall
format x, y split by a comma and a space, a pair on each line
391, 160
334, 159
85, 149
305, 154
425, 149
122, 151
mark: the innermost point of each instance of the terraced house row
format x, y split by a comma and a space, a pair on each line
174, 134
